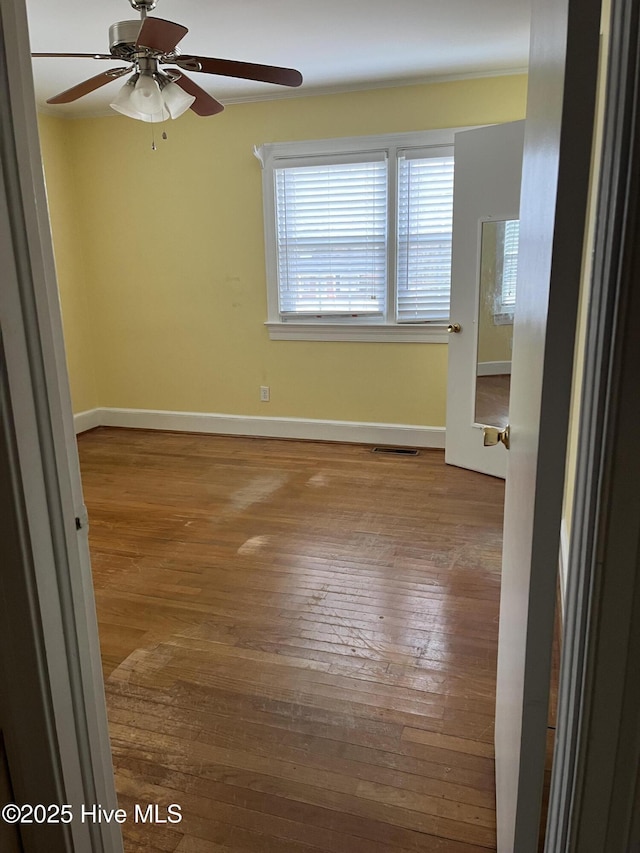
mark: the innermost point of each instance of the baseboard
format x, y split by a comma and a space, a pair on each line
493, 368
401, 435
87, 420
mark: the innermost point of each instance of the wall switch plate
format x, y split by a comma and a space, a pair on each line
264, 393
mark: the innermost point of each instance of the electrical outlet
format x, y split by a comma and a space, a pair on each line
264, 393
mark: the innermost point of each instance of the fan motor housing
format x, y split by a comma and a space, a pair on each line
123, 36
143, 5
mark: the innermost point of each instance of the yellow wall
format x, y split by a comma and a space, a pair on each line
174, 257
72, 281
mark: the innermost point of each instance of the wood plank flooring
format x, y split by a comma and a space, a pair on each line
492, 400
299, 642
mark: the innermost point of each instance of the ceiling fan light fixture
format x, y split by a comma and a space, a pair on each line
155, 118
176, 100
122, 102
149, 45
127, 104
146, 96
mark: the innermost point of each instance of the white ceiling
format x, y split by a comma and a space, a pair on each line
336, 44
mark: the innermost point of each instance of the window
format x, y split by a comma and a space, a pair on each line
508, 234
510, 265
425, 214
331, 235
358, 237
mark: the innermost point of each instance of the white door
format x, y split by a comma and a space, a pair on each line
555, 182
50, 578
486, 209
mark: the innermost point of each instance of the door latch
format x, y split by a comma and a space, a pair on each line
492, 436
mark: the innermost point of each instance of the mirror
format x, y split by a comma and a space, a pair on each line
497, 300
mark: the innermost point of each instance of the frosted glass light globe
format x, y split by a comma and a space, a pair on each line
146, 96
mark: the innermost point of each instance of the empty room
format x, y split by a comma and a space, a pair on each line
285, 340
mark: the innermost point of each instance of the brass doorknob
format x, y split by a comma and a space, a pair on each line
492, 436
454, 327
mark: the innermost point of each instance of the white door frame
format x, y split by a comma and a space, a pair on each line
553, 206
595, 794
37, 412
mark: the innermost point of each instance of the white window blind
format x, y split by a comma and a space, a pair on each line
425, 212
331, 233
510, 264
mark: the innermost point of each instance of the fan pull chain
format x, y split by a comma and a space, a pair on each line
154, 147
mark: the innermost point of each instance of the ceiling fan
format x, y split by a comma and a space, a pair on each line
154, 92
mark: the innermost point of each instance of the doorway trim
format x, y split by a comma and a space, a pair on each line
45, 486
594, 803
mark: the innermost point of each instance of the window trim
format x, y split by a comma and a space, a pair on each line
435, 333
276, 154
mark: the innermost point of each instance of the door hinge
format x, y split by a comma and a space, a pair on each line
82, 519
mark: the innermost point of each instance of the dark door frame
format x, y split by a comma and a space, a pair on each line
594, 804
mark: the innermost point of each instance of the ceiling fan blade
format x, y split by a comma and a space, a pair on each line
79, 55
158, 34
204, 104
245, 70
87, 86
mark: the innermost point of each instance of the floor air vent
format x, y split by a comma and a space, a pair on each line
398, 451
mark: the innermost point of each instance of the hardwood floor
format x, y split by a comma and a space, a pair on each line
492, 400
299, 642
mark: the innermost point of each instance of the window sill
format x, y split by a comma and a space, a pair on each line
504, 319
374, 333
